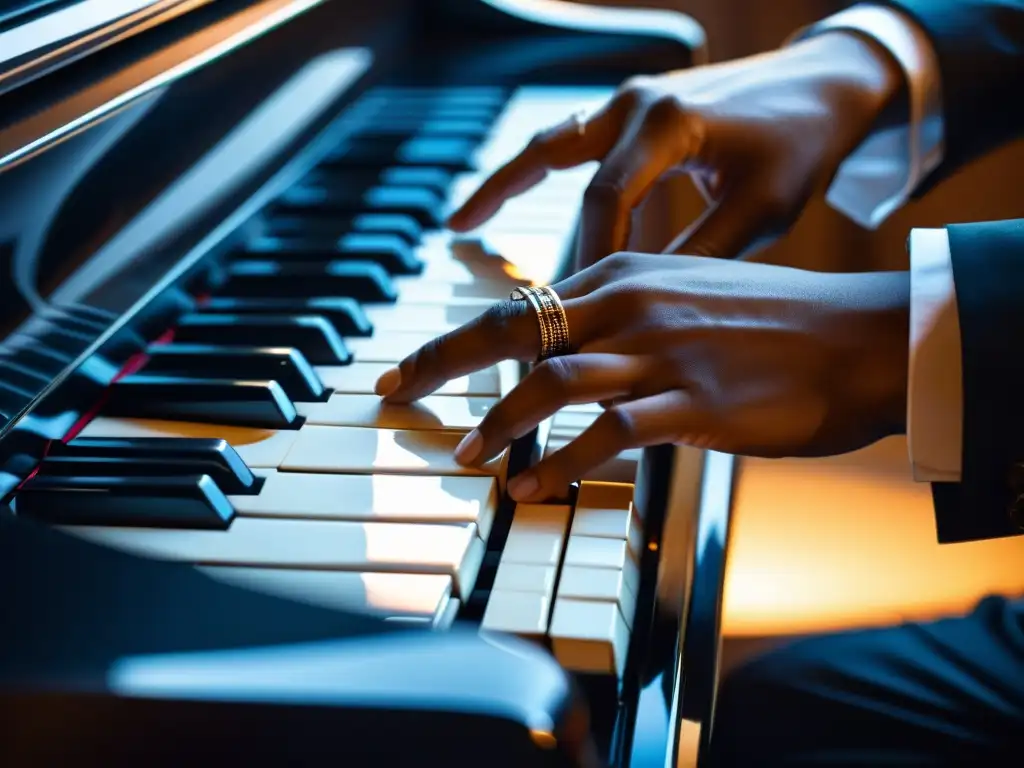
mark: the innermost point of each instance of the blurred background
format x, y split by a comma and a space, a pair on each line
819, 545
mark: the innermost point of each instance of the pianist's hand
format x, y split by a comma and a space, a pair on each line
735, 356
760, 135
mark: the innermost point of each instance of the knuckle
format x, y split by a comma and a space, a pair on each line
603, 194
498, 325
619, 262
556, 377
775, 207
665, 111
634, 89
539, 145
617, 425
501, 314
429, 358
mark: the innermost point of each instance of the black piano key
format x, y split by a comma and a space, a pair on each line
22, 376
364, 281
300, 225
312, 335
13, 398
351, 183
375, 153
285, 365
199, 455
68, 342
140, 466
151, 502
74, 319
398, 224
35, 352
469, 124
245, 403
389, 251
452, 153
424, 205
437, 180
346, 315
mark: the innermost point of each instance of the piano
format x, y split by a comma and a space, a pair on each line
219, 222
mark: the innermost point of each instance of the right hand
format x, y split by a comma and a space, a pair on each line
760, 135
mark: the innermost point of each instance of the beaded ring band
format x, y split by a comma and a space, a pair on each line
554, 326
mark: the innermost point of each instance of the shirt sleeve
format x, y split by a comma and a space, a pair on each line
881, 174
935, 381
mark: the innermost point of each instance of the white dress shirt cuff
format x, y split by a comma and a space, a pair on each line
881, 174
935, 385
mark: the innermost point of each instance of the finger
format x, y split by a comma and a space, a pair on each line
507, 331
550, 386
662, 418
743, 221
566, 145
657, 139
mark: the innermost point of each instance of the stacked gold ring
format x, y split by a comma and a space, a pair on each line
554, 325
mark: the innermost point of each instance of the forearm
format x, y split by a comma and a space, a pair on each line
905, 143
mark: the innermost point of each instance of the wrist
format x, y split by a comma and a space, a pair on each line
861, 83
875, 327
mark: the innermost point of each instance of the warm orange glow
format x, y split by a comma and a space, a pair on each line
849, 541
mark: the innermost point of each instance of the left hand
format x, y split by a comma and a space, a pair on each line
740, 357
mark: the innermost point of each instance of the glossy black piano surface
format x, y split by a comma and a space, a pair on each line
230, 221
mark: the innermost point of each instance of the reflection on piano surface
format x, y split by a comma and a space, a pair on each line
215, 236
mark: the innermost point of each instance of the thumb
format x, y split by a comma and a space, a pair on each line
745, 219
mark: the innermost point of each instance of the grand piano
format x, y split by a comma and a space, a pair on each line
219, 222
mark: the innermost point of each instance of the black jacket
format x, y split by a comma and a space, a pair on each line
980, 48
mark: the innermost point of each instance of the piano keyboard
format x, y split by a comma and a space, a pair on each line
249, 442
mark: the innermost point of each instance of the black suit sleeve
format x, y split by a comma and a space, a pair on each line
988, 272
980, 48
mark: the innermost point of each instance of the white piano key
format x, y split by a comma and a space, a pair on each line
432, 412
359, 450
600, 584
548, 518
593, 408
481, 293
589, 636
360, 378
388, 346
621, 469
605, 510
433, 318
257, 447
374, 498
574, 420
389, 595
522, 577
466, 273
450, 613
613, 554
518, 613
537, 535
455, 551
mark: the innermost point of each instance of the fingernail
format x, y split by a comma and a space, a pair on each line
467, 450
388, 382
522, 487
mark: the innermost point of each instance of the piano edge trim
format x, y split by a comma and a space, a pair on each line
62, 53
